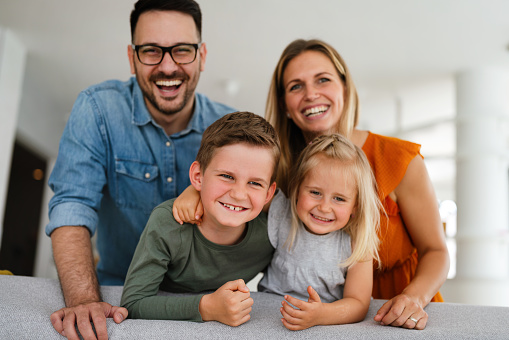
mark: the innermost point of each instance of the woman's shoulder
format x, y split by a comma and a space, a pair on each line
387, 145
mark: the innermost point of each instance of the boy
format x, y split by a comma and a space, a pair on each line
234, 172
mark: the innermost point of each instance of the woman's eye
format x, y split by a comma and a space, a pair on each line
323, 80
295, 87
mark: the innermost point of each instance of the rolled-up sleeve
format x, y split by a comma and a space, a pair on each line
79, 174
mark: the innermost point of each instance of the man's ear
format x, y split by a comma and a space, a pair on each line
130, 55
203, 56
195, 175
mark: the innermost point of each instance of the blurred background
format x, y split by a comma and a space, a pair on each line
435, 72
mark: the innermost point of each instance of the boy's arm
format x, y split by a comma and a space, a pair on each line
352, 308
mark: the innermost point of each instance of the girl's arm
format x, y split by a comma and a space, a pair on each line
419, 209
353, 307
187, 207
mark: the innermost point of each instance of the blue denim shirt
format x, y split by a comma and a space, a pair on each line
115, 164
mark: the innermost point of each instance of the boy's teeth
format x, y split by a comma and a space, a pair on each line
315, 111
231, 207
176, 82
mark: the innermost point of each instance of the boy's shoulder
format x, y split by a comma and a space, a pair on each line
162, 218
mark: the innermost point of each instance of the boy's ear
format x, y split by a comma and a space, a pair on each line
270, 192
195, 175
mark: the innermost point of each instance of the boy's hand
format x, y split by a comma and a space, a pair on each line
307, 314
188, 207
230, 304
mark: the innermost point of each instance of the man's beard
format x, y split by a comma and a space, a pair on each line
187, 95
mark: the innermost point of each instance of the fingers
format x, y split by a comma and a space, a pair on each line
176, 214
401, 311
199, 212
236, 285
313, 295
118, 314
56, 320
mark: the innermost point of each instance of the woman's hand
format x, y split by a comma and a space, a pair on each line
402, 311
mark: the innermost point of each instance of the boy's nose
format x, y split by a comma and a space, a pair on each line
238, 192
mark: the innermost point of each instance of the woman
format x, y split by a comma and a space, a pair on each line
312, 93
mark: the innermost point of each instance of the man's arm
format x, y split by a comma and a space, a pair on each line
72, 251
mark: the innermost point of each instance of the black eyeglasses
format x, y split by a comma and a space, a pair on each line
153, 54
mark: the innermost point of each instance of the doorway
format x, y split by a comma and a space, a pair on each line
22, 211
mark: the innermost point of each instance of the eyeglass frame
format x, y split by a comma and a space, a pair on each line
166, 49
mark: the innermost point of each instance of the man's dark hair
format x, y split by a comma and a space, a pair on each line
190, 7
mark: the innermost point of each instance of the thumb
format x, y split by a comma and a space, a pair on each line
199, 211
237, 285
118, 314
313, 295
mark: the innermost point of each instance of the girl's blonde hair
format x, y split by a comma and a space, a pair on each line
292, 139
364, 223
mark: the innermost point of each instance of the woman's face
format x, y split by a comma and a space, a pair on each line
314, 93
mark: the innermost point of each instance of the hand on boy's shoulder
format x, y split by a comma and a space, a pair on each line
229, 304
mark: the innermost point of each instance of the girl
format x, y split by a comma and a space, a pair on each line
325, 236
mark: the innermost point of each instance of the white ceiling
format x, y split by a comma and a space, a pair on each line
386, 43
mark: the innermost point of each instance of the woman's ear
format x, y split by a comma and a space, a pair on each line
195, 175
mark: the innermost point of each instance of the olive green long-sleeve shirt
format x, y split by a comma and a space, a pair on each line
179, 259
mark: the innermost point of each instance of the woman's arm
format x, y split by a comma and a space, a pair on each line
419, 209
353, 307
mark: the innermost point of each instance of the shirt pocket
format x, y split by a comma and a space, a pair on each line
136, 185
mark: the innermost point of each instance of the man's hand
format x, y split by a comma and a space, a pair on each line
229, 304
307, 314
65, 319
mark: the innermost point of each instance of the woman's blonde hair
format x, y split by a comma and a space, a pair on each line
292, 139
365, 221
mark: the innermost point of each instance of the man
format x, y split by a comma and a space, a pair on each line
126, 148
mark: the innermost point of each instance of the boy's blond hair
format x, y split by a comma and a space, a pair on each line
365, 221
235, 128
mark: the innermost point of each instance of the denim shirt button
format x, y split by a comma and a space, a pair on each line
169, 179
147, 175
168, 143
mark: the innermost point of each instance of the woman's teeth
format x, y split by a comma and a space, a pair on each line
314, 111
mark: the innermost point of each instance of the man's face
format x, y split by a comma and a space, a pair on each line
168, 87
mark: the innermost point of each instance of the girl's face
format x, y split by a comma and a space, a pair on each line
314, 93
326, 197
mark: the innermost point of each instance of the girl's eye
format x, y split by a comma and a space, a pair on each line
338, 199
314, 193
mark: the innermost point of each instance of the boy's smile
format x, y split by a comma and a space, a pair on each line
234, 188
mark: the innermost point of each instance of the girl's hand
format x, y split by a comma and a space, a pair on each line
402, 311
305, 315
188, 207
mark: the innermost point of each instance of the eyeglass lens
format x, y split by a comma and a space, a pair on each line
153, 55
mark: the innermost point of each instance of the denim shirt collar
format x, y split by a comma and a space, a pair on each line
141, 116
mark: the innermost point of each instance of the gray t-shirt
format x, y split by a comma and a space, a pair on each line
314, 260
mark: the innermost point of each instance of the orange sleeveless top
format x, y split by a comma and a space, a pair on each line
389, 158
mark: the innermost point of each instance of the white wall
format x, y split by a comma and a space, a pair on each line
12, 67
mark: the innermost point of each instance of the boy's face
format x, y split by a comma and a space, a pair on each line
236, 184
